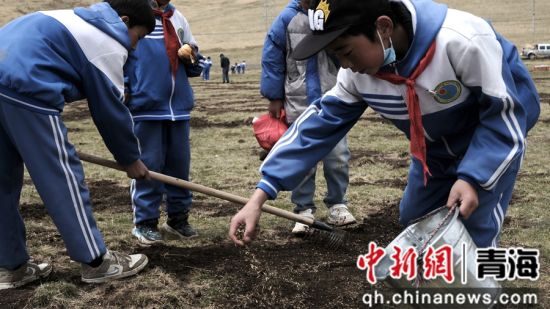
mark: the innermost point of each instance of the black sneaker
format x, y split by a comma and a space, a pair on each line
179, 227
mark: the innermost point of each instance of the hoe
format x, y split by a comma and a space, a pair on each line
319, 232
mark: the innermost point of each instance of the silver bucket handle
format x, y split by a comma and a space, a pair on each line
452, 215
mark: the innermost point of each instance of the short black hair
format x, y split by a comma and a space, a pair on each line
139, 12
368, 28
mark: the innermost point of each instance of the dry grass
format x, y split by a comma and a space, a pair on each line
226, 157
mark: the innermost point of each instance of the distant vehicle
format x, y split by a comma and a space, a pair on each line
538, 51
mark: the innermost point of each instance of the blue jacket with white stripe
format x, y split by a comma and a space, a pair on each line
476, 96
297, 83
52, 57
154, 93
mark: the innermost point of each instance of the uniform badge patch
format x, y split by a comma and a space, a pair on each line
447, 91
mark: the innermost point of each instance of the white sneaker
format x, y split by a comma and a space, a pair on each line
299, 228
115, 265
27, 273
339, 215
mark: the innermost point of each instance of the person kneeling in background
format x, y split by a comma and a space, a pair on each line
455, 87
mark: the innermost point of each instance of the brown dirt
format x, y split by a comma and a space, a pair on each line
360, 157
389, 183
278, 271
76, 111
200, 122
33, 211
110, 197
272, 274
106, 195
215, 209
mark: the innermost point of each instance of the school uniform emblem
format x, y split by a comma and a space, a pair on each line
447, 91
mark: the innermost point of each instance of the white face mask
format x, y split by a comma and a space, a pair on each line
389, 53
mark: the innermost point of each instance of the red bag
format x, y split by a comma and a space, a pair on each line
268, 130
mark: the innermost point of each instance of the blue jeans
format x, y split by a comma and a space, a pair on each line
336, 172
206, 74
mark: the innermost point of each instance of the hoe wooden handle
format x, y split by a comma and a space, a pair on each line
200, 188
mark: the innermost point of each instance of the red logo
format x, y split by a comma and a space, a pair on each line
439, 263
404, 264
370, 260
435, 263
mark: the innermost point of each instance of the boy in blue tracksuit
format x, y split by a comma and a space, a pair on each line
46, 59
160, 100
294, 85
454, 86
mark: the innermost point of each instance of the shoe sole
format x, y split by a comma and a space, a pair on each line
341, 224
148, 243
144, 242
166, 231
13, 285
119, 276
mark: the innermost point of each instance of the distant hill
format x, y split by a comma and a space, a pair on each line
238, 27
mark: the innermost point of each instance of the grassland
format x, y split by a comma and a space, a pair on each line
278, 271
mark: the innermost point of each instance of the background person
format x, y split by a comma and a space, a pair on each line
207, 64
225, 64
294, 85
161, 100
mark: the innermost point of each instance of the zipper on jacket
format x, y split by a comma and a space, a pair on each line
448, 148
171, 96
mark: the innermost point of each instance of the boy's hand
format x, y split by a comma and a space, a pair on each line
137, 170
248, 216
188, 54
463, 194
274, 108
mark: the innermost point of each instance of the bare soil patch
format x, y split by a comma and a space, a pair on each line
271, 274
76, 111
360, 157
200, 122
398, 183
277, 271
214, 209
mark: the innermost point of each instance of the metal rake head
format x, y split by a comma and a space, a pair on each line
331, 239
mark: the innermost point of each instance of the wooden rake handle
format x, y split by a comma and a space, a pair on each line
177, 182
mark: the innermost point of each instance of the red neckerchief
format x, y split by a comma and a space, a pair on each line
171, 40
418, 142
